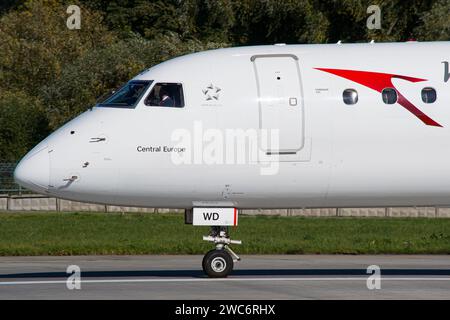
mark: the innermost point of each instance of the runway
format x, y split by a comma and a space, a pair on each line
255, 277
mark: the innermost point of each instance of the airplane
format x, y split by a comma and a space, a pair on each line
272, 126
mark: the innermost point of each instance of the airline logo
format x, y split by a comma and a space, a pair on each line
211, 92
379, 81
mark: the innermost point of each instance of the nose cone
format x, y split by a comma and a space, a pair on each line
33, 171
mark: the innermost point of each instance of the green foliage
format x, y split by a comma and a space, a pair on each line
347, 19
22, 124
61, 72
149, 18
36, 44
399, 19
271, 21
205, 20
436, 22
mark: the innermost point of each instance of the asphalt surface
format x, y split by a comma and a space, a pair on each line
255, 277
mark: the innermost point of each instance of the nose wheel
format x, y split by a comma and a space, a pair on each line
219, 262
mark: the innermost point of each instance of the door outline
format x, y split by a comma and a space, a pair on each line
302, 103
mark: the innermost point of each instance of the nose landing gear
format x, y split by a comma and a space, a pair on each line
219, 262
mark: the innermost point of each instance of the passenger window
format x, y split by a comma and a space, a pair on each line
429, 95
350, 96
166, 95
127, 96
389, 95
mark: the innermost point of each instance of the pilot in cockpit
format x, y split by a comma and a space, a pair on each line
165, 98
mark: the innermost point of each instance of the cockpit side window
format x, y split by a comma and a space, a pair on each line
127, 96
166, 95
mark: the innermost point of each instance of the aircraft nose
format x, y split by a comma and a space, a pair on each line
33, 171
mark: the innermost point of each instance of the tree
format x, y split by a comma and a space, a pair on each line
271, 21
22, 124
435, 23
36, 43
147, 18
6, 5
207, 20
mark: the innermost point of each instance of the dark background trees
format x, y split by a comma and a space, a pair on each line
49, 74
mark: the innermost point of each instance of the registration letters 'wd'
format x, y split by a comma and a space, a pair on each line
214, 216
210, 216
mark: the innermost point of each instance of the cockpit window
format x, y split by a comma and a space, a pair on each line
128, 95
166, 95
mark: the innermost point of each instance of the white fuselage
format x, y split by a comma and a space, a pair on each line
327, 153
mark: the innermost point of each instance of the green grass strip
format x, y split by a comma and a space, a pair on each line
101, 233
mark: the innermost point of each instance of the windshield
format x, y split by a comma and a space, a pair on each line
128, 95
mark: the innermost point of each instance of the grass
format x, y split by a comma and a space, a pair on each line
99, 233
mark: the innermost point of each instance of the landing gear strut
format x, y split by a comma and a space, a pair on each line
219, 262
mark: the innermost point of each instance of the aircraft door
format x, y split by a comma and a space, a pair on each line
280, 102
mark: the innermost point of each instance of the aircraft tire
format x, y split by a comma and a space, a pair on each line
217, 264
204, 259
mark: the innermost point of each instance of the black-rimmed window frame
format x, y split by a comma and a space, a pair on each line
429, 95
181, 91
147, 83
389, 95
